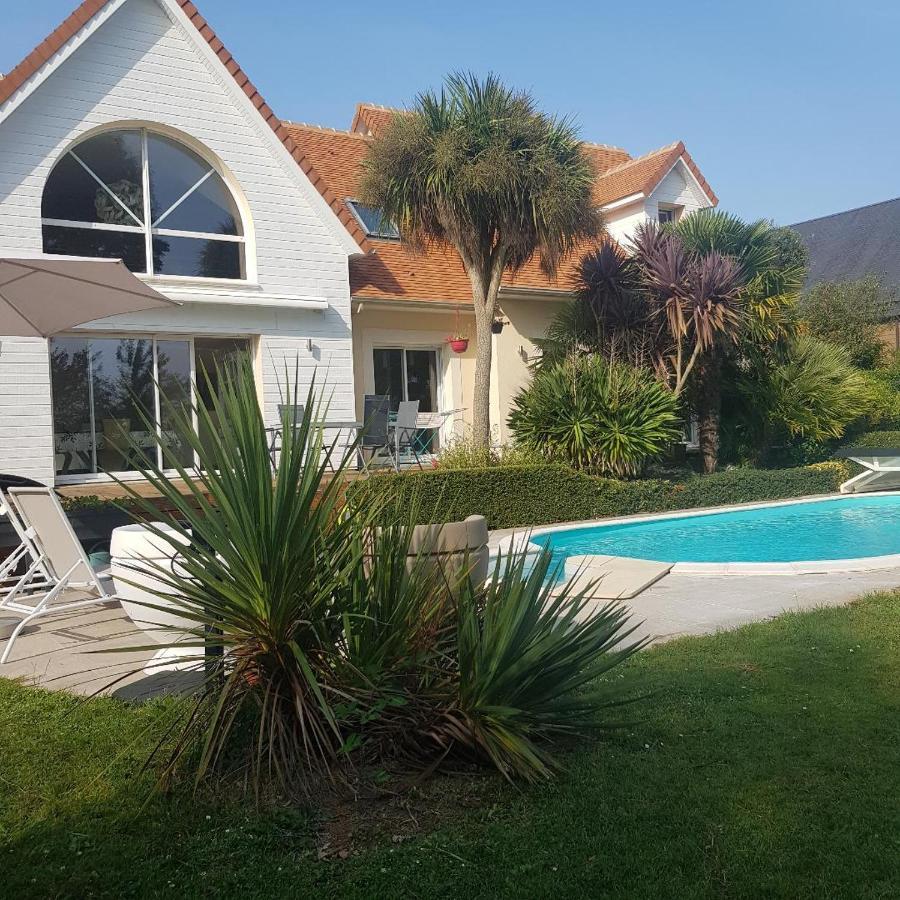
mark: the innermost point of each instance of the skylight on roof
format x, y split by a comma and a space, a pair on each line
373, 222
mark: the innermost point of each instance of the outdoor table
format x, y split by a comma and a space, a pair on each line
338, 425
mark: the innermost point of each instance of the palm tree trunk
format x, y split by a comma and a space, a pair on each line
709, 407
481, 400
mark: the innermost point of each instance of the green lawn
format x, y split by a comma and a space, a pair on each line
766, 764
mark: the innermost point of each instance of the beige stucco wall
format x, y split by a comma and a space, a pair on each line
513, 347
383, 325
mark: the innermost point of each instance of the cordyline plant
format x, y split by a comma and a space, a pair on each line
682, 299
480, 168
340, 647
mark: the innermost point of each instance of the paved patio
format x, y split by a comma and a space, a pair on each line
60, 653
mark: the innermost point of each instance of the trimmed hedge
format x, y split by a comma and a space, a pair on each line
512, 496
886, 439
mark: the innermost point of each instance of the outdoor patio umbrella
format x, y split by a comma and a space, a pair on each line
42, 295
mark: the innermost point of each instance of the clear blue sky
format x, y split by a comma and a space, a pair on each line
790, 107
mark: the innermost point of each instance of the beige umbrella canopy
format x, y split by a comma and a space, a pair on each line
42, 295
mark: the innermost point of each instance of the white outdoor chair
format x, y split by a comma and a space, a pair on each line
58, 551
35, 576
406, 431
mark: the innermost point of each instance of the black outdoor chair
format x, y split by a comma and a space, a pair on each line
376, 435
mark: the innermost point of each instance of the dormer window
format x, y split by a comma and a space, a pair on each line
373, 222
139, 196
666, 214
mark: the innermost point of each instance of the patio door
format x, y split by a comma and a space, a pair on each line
405, 374
110, 393
409, 374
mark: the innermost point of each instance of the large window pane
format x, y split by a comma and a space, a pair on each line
389, 375
122, 383
101, 182
421, 379
115, 158
175, 170
212, 356
173, 360
70, 379
131, 248
198, 258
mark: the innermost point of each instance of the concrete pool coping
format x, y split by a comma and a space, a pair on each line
520, 538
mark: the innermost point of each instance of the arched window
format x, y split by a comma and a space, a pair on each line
139, 196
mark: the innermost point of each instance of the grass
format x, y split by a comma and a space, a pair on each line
766, 764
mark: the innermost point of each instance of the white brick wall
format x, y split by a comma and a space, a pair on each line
143, 66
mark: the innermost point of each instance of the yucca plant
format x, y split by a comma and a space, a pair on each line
602, 417
336, 642
531, 655
265, 554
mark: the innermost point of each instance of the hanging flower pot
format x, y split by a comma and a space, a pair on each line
497, 326
458, 344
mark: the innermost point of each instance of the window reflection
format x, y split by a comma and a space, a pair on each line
111, 394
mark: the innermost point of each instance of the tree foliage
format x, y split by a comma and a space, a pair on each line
601, 417
849, 313
479, 167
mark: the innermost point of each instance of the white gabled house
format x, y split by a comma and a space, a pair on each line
131, 132
136, 135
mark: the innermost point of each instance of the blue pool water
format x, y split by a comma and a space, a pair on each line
820, 529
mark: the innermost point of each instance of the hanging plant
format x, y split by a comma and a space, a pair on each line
497, 326
458, 340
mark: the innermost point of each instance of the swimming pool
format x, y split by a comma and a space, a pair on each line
839, 530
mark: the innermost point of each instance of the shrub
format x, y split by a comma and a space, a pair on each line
813, 395
464, 453
875, 439
338, 644
597, 416
848, 313
541, 495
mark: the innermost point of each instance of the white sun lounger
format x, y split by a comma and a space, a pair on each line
881, 468
35, 575
57, 550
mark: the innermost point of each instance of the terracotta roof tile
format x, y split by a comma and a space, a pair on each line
370, 117
89, 8
394, 271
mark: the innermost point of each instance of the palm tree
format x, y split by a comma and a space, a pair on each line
479, 167
770, 283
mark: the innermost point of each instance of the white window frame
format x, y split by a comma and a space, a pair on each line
670, 211
155, 338
150, 228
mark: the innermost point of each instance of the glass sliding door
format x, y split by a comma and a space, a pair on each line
174, 367
409, 374
212, 355
72, 411
111, 393
123, 396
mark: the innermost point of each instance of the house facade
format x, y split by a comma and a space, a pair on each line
131, 132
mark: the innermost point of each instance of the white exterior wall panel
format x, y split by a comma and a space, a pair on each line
142, 65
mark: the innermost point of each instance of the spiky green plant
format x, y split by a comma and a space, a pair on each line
813, 393
335, 641
258, 574
532, 653
602, 417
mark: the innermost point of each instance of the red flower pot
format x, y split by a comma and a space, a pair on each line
460, 345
